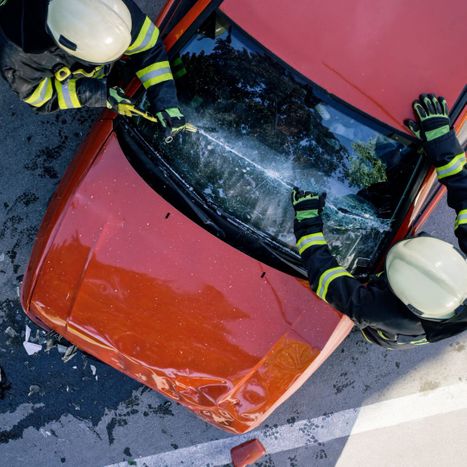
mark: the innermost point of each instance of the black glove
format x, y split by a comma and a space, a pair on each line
172, 120
308, 207
434, 130
119, 102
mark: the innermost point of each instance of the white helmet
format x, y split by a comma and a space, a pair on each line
429, 276
95, 31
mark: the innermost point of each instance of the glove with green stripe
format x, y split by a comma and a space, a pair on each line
308, 207
118, 101
438, 138
172, 120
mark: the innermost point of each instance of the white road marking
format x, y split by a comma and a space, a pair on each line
309, 432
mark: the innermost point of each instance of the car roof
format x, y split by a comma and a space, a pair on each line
378, 56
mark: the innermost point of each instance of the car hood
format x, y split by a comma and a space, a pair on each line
140, 286
378, 56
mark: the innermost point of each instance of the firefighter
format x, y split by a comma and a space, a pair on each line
421, 297
57, 54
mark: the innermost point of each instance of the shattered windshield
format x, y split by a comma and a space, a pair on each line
264, 129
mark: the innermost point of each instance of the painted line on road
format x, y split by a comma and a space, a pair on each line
310, 432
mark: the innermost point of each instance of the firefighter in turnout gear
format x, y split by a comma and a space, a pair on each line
421, 297
57, 54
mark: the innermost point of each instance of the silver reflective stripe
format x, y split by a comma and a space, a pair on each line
149, 40
461, 218
327, 277
451, 168
154, 74
66, 95
42, 93
309, 240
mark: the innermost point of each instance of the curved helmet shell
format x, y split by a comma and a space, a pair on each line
429, 276
94, 31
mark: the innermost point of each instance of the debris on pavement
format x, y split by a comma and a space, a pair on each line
4, 385
30, 347
71, 352
10, 332
53, 339
62, 349
33, 389
247, 453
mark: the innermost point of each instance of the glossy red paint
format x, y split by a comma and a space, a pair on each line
134, 282
247, 453
165, 302
374, 54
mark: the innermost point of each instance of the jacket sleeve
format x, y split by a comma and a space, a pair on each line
372, 305
148, 57
51, 94
452, 172
38, 87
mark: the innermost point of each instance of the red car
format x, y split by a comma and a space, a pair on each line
175, 263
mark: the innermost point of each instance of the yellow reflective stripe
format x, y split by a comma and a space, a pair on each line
67, 95
42, 94
451, 168
419, 341
383, 335
96, 73
327, 277
366, 337
461, 218
146, 39
155, 74
307, 241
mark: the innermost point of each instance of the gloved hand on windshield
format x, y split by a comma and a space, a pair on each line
172, 120
439, 140
119, 102
308, 225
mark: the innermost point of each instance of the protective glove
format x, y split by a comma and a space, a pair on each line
118, 102
172, 120
308, 207
3, 2
434, 130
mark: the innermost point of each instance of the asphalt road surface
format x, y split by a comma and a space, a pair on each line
364, 406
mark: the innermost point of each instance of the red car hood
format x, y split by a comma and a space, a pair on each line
136, 283
377, 55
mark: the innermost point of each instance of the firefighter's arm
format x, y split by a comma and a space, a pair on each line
449, 159
441, 146
367, 305
457, 199
50, 94
43, 91
148, 57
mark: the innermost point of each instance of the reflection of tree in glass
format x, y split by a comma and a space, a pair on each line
250, 94
365, 167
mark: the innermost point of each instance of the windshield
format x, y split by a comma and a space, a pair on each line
263, 129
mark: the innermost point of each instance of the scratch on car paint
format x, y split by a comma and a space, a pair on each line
360, 90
